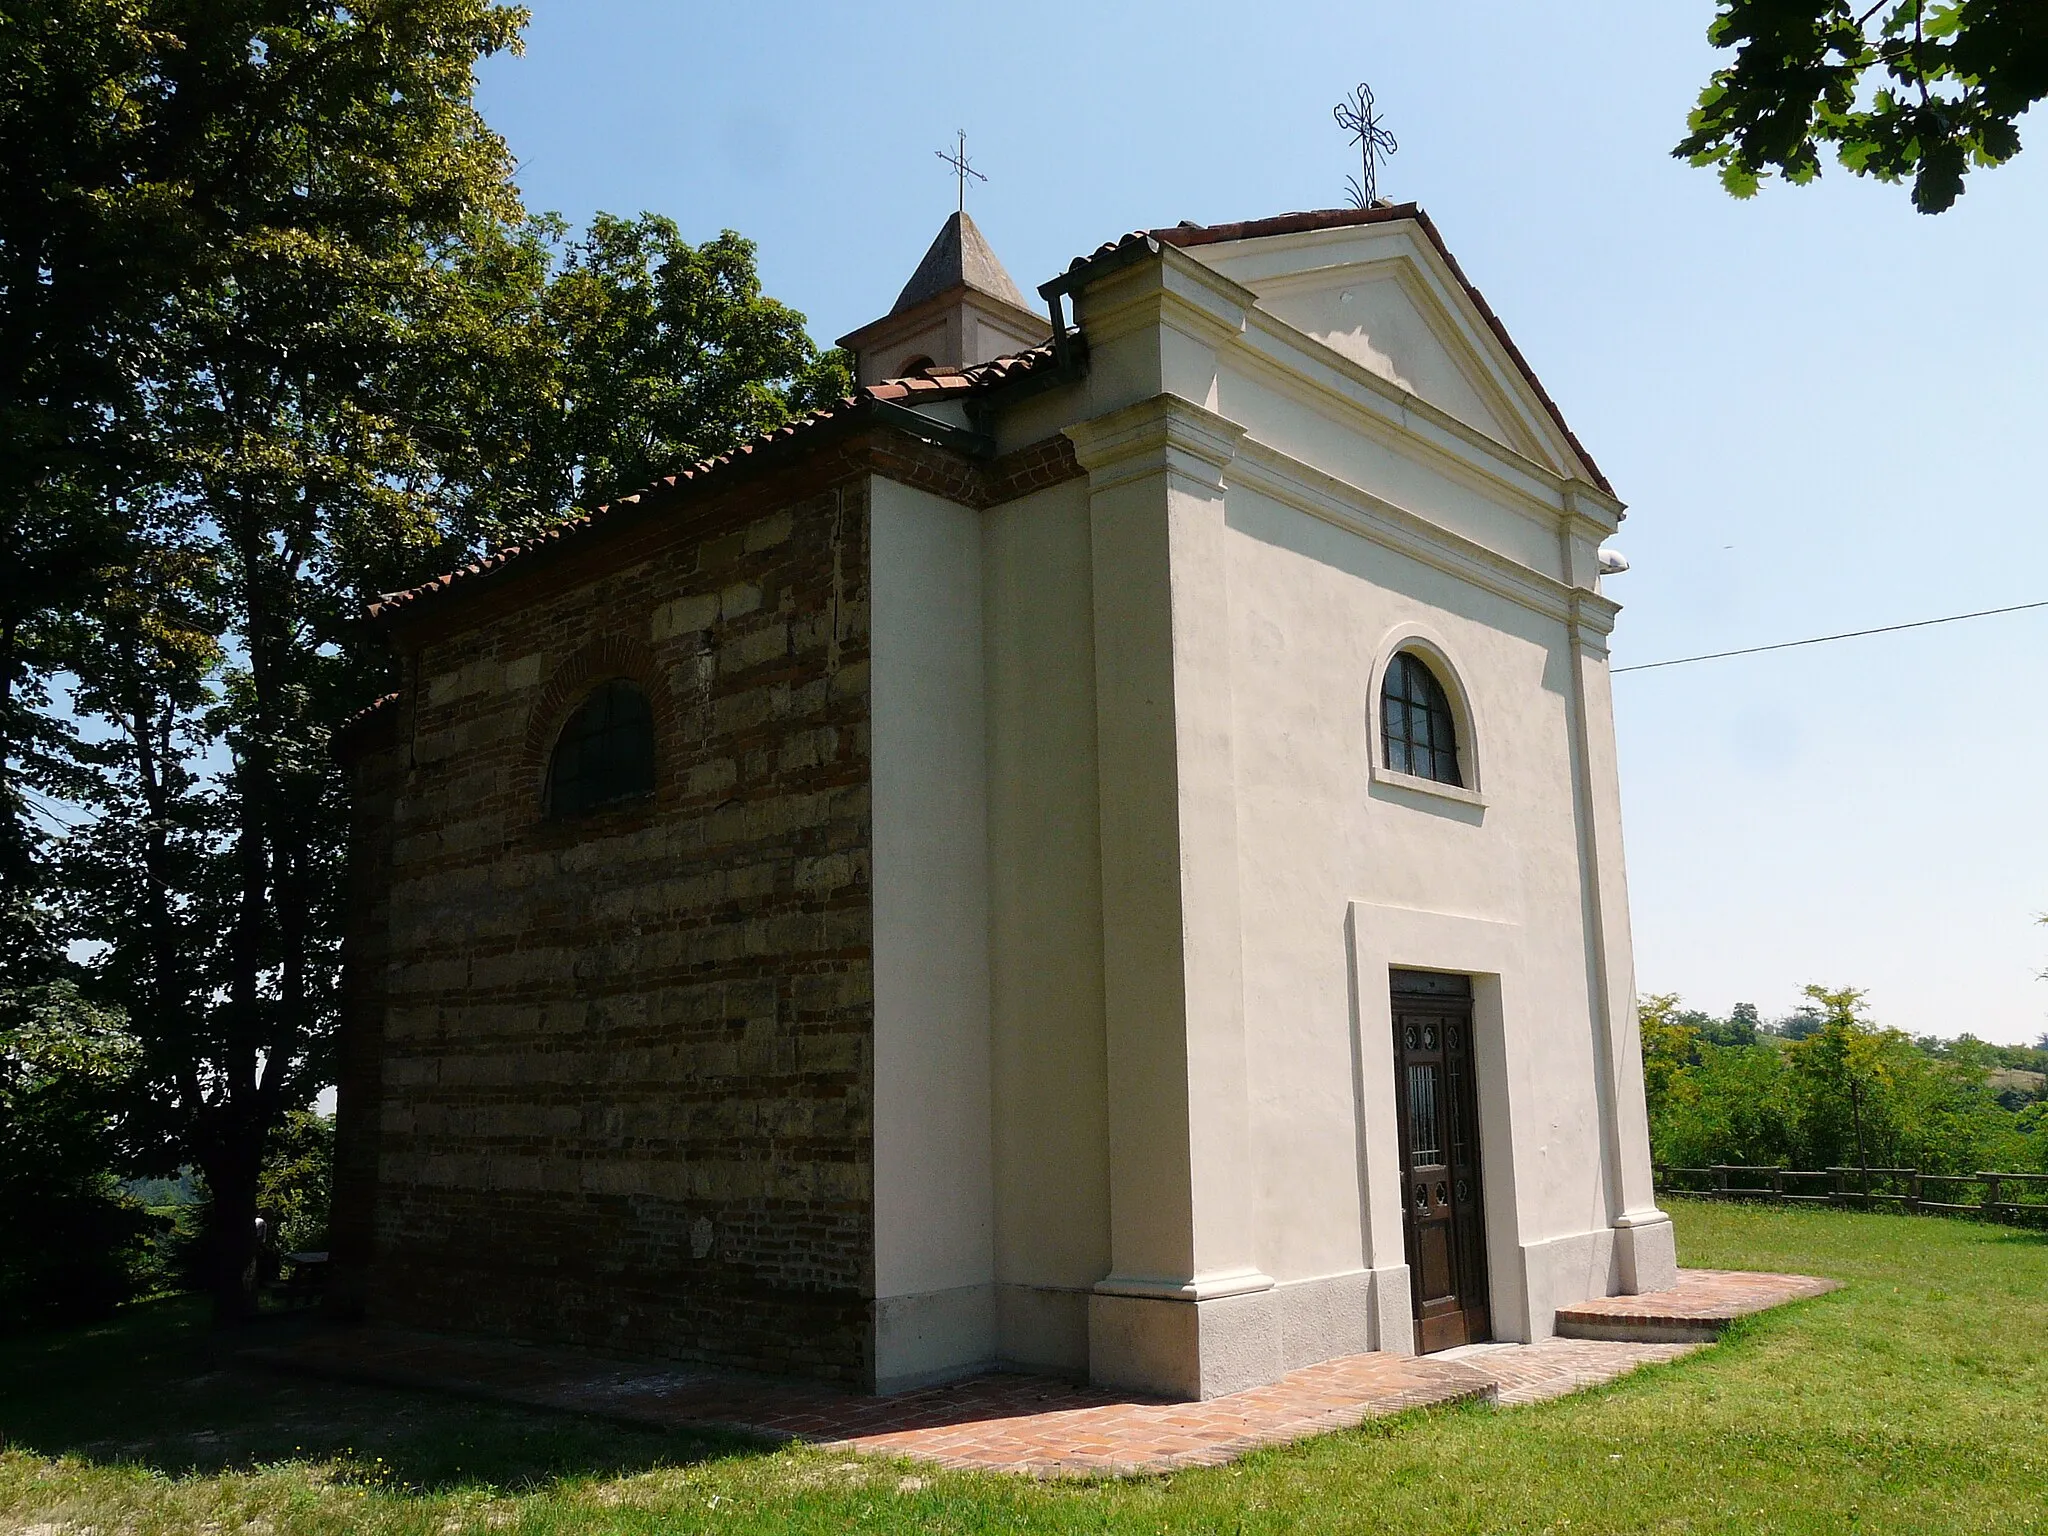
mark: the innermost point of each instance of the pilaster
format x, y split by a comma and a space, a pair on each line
1185, 1308
1645, 1247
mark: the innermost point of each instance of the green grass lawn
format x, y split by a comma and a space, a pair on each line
1914, 1400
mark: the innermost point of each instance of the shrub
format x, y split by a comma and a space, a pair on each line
76, 1242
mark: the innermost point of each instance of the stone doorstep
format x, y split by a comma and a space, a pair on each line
1036, 1425
1697, 1310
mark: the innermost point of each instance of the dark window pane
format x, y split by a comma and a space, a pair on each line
1420, 732
1424, 1139
605, 752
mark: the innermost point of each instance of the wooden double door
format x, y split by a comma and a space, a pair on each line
1445, 1218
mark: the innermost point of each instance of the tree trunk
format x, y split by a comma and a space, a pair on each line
231, 1248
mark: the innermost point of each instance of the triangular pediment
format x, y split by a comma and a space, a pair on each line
1384, 296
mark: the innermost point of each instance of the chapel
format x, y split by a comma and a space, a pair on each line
1099, 853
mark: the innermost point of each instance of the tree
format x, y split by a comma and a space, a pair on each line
608, 360
1827, 1089
1905, 88
90, 238
297, 1186
355, 363
1670, 1046
339, 155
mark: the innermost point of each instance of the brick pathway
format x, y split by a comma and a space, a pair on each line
1534, 1373
1696, 1310
1039, 1426
1077, 1430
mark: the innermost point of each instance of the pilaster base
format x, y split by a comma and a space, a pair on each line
1183, 1348
1645, 1252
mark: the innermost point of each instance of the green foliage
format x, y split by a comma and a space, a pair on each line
75, 1244
599, 363
1906, 88
1827, 1089
297, 1184
332, 157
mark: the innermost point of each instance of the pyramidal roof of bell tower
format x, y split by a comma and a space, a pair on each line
959, 257
959, 308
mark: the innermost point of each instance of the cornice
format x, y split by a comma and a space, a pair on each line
922, 314
1186, 440
1285, 479
1174, 288
1165, 433
1592, 621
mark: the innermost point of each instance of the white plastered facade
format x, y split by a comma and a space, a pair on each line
1141, 877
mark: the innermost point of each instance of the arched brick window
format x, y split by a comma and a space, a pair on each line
1417, 728
605, 752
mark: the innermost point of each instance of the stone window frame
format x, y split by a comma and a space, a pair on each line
598, 661
1425, 644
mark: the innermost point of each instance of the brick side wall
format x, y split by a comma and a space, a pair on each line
626, 1062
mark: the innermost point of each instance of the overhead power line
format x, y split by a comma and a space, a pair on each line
1851, 634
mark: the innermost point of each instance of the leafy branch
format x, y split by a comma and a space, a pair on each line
1908, 89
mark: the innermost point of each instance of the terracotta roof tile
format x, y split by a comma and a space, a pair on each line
943, 382
367, 713
938, 384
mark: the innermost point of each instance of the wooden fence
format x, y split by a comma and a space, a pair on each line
2019, 1198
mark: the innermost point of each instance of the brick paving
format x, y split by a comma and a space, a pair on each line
1697, 1309
1036, 1425
1534, 1373
1082, 1431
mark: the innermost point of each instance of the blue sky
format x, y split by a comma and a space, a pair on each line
1824, 409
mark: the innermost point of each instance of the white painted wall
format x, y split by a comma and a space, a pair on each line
1051, 1125
934, 1192
1363, 499
1314, 610
1138, 882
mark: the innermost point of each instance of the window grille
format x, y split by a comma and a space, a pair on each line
1419, 733
605, 753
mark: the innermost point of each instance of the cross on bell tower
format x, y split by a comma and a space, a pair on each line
962, 166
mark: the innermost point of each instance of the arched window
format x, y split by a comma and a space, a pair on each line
1416, 724
911, 366
605, 753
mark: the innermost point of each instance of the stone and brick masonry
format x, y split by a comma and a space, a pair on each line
622, 1064
609, 1081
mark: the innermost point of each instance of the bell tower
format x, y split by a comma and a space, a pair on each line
959, 307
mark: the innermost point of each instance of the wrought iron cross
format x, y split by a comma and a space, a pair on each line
962, 169
1357, 116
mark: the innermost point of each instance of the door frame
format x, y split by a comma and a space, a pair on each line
1456, 1204
1383, 939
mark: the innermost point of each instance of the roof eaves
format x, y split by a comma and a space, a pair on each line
353, 732
891, 400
